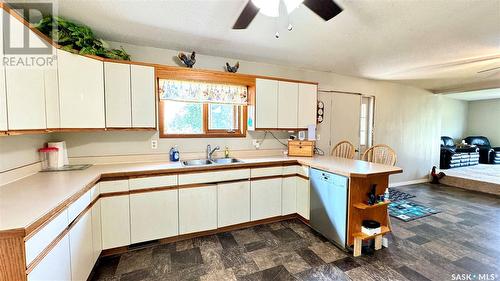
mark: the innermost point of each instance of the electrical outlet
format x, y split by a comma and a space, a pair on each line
154, 144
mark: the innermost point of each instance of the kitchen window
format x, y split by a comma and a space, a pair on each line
191, 109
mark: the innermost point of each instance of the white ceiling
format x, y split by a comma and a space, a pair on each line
433, 44
487, 94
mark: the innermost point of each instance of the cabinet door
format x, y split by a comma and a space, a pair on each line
96, 230
303, 197
266, 103
265, 198
81, 91
52, 98
288, 96
80, 244
289, 196
153, 215
115, 221
197, 209
142, 81
55, 265
308, 99
25, 98
117, 92
233, 204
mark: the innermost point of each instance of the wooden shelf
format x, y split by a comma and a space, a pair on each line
364, 206
363, 236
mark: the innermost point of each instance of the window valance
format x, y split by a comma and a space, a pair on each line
194, 91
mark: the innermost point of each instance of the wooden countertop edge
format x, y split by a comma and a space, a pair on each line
30, 230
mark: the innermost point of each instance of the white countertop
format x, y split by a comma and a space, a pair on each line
25, 201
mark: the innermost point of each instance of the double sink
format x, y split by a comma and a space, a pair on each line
206, 162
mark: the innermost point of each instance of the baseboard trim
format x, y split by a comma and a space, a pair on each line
403, 183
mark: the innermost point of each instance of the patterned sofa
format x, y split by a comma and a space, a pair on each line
488, 154
453, 157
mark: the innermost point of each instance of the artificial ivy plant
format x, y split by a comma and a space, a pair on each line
78, 38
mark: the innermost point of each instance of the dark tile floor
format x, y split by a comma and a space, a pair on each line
463, 239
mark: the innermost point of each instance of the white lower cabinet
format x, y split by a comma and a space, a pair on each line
55, 265
233, 204
96, 230
289, 196
265, 198
303, 197
115, 221
153, 215
80, 243
197, 209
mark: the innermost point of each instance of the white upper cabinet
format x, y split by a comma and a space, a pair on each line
308, 99
117, 92
52, 97
288, 94
266, 103
25, 100
81, 91
142, 83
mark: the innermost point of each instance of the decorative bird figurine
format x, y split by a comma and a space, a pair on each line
232, 69
188, 62
436, 177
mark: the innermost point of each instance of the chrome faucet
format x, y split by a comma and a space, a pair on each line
211, 151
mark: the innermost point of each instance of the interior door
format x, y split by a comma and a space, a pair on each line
340, 120
345, 114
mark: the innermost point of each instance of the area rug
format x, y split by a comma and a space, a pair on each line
395, 195
407, 210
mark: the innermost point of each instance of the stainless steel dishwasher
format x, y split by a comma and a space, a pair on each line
329, 205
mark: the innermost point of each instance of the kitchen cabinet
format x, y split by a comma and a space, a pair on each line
142, 83
289, 196
56, 265
3, 93
81, 91
96, 230
117, 93
308, 100
80, 243
266, 103
233, 203
153, 215
265, 198
197, 209
288, 94
25, 101
115, 221
303, 197
52, 97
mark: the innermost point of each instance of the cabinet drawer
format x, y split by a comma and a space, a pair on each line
303, 170
266, 172
78, 206
290, 170
152, 182
94, 192
113, 186
35, 245
209, 177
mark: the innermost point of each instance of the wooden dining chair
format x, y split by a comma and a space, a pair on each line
343, 149
381, 154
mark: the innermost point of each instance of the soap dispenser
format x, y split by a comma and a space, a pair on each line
226, 152
174, 154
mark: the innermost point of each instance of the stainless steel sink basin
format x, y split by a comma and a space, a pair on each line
205, 162
197, 162
226, 161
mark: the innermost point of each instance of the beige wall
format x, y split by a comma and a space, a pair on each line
484, 116
454, 115
405, 118
17, 151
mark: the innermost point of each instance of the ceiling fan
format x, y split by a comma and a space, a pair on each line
326, 9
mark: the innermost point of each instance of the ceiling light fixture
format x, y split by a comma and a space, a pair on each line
271, 8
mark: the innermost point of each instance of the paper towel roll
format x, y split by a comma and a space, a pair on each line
62, 156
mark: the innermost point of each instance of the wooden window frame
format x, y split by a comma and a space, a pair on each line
240, 132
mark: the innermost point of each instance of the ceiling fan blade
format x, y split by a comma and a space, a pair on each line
326, 9
246, 16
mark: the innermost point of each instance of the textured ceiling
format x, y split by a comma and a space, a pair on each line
433, 44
